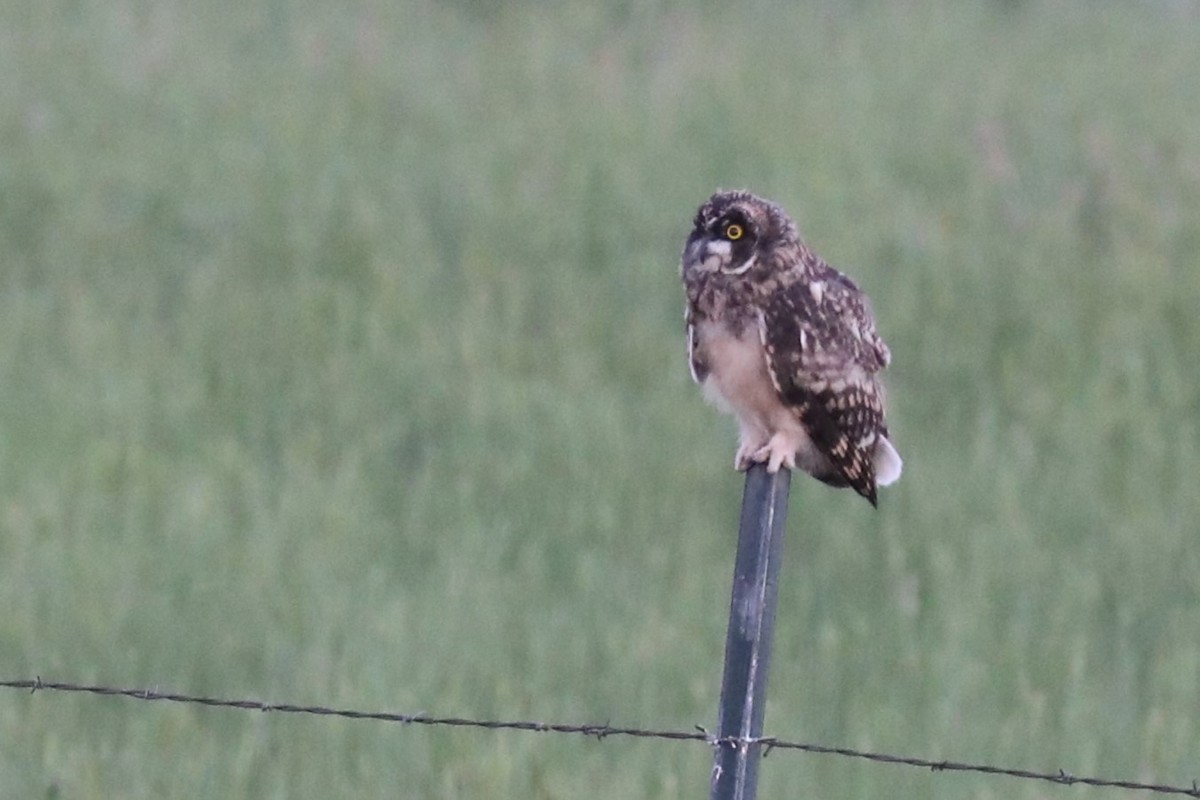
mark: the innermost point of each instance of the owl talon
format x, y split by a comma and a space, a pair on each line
744, 458
778, 452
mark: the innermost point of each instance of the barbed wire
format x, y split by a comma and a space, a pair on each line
768, 744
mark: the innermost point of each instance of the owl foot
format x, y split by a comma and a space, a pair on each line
780, 451
744, 458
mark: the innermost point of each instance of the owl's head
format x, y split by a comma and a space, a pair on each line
732, 232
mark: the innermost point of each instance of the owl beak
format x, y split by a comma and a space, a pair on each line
703, 254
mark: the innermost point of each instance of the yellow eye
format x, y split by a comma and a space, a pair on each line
733, 232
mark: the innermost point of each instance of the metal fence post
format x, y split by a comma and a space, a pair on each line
751, 626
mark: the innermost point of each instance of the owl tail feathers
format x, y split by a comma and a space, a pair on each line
888, 463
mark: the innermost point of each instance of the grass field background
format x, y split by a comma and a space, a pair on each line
341, 363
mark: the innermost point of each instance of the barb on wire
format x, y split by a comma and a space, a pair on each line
600, 732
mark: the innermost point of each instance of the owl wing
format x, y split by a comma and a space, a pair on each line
823, 353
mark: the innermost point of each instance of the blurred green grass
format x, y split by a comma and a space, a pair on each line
341, 363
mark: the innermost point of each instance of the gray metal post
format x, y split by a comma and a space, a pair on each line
751, 626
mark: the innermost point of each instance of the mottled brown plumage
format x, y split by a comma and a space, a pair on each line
786, 343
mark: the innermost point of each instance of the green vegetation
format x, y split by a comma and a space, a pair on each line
341, 363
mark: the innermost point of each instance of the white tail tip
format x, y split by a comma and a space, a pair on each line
888, 464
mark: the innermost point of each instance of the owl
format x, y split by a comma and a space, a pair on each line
787, 344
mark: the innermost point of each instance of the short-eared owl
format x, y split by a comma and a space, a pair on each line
787, 344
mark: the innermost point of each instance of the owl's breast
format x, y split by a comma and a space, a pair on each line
737, 380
